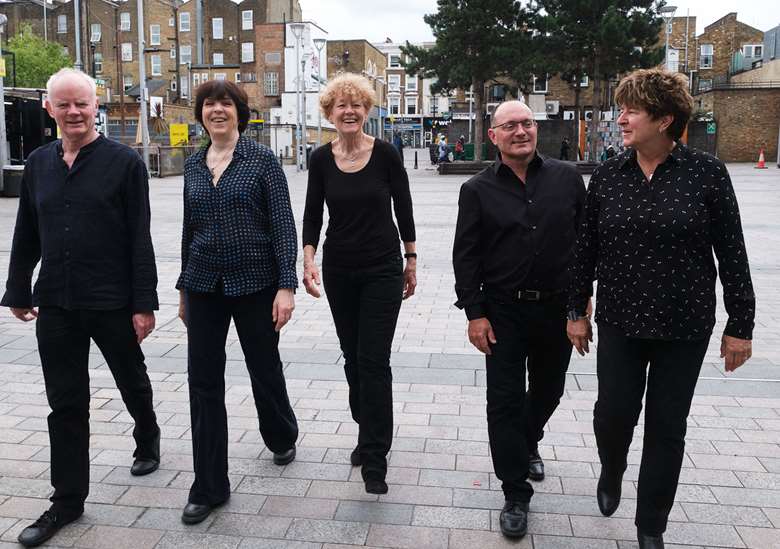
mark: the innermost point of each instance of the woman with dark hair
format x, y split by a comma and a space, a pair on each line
654, 215
238, 262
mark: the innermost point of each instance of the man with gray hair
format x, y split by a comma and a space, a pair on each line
84, 214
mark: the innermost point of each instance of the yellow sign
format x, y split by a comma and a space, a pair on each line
100, 86
179, 134
2, 67
257, 121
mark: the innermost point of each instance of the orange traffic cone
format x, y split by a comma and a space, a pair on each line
761, 162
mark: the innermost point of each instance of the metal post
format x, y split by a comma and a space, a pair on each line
198, 30
319, 43
78, 65
297, 30
142, 89
304, 121
471, 100
3, 137
45, 29
667, 12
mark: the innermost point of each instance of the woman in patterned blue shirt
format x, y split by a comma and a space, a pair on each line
238, 262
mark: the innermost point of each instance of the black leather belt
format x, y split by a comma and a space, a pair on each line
536, 295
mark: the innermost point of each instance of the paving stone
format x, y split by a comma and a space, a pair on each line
99, 537
328, 531
257, 543
143, 496
558, 542
773, 515
767, 481
248, 525
340, 490
374, 512
418, 495
274, 486
423, 460
110, 515
747, 496
448, 517
317, 471
303, 507
407, 537
170, 519
704, 534
182, 540
735, 463
725, 514
454, 479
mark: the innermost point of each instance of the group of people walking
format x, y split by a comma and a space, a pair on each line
530, 240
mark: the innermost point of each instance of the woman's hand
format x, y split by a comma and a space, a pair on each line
182, 314
284, 303
736, 351
410, 277
580, 333
311, 278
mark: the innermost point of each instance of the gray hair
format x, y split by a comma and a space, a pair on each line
69, 72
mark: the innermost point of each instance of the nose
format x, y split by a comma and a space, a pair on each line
621, 119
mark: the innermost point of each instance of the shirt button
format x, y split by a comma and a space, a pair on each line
67, 229
67, 254
533, 227
530, 201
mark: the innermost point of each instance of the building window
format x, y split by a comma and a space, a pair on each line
97, 61
124, 21
218, 59
237, 77
173, 84
184, 21
185, 54
271, 84
185, 86
62, 24
154, 35
411, 83
394, 61
247, 20
249, 77
94, 35
171, 21
411, 105
220, 76
127, 51
705, 84
156, 64
195, 80
705, 59
394, 105
247, 52
273, 58
216, 28
540, 85
173, 52
394, 82
127, 82
753, 50
497, 93
583, 81
204, 77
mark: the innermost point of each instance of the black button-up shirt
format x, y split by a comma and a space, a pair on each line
650, 244
514, 235
242, 231
89, 227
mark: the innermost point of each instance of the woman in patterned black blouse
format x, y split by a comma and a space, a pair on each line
238, 262
654, 215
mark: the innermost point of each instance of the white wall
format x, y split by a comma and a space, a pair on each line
307, 53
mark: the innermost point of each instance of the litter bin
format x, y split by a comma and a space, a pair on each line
12, 180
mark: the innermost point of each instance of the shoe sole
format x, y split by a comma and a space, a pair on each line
514, 535
145, 472
188, 519
537, 478
284, 461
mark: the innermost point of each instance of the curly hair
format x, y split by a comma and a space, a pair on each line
660, 93
350, 85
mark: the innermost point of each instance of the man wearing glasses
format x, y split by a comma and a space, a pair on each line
514, 241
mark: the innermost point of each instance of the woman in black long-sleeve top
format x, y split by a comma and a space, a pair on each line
654, 215
238, 262
358, 177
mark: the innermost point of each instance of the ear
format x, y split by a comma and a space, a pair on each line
666, 121
49, 108
492, 135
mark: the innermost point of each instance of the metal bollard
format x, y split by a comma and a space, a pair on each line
281, 159
415, 160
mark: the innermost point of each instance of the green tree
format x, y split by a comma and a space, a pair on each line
36, 59
477, 41
600, 39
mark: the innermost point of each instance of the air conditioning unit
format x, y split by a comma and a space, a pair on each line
607, 116
568, 115
589, 115
552, 107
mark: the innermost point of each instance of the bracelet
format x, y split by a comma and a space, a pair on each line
410, 254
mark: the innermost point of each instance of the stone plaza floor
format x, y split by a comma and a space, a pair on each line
443, 494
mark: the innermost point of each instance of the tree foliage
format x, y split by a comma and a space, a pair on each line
36, 59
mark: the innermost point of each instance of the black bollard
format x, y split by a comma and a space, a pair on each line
281, 159
415, 160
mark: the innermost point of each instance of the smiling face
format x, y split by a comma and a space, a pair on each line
514, 131
73, 105
348, 115
640, 128
220, 116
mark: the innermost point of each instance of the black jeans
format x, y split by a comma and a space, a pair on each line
528, 334
365, 303
63, 343
622, 365
208, 320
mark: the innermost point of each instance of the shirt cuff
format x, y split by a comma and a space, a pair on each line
146, 302
739, 328
17, 298
288, 279
475, 311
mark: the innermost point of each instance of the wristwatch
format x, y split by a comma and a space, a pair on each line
574, 315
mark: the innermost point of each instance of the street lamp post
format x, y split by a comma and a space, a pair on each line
304, 117
3, 156
319, 43
667, 12
297, 30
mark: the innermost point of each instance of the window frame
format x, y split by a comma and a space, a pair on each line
703, 56
217, 28
546, 84
95, 32
184, 16
126, 52
244, 20
62, 24
271, 84
125, 22
158, 58
152, 41
394, 82
214, 58
390, 63
245, 51
182, 56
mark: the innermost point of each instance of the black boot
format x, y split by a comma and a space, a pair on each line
647, 541
146, 460
535, 466
608, 492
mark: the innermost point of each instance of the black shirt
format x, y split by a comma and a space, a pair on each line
89, 227
513, 235
650, 246
241, 232
360, 229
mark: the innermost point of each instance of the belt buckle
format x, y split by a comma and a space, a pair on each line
529, 295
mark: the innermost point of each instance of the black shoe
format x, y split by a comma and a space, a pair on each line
535, 466
608, 493
194, 513
376, 486
354, 457
48, 524
514, 519
649, 542
283, 458
147, 461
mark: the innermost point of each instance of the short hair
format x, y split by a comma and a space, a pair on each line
349, 85
68, 71
660, 93
220, 89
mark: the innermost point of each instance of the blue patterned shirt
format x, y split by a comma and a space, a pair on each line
242, 231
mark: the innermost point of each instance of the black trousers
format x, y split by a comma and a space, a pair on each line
208, 320
669, 370
532, 335
63, 343
365, 304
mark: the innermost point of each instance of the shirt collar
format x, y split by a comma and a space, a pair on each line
242, 149
86, 148
677, 156
536, 162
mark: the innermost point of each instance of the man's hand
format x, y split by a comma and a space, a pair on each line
736, 351
410, 277
284, 303
580, 333
311, 278
481, 334
24, 314
143, 324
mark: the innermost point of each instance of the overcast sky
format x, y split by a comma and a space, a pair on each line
402, 20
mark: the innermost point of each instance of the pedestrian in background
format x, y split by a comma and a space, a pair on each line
238, 262
398, 142
654, 216
565, 148
362, 180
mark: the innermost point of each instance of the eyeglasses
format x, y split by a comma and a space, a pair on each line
513, 124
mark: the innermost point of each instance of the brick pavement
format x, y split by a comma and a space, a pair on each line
442, 490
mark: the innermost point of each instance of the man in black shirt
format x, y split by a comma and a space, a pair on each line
517, 226
84, 214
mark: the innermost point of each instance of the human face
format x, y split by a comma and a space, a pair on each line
220, 117
514, 132
74, 107
348, 115
640, 129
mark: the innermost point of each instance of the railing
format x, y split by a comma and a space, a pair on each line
165, 160
745, 85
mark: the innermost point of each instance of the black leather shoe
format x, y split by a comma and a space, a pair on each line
48, 524
649, 542
608, 493
354, 457
514, 519
535, 466
146, 460
376, 486
283, 458
194, 513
